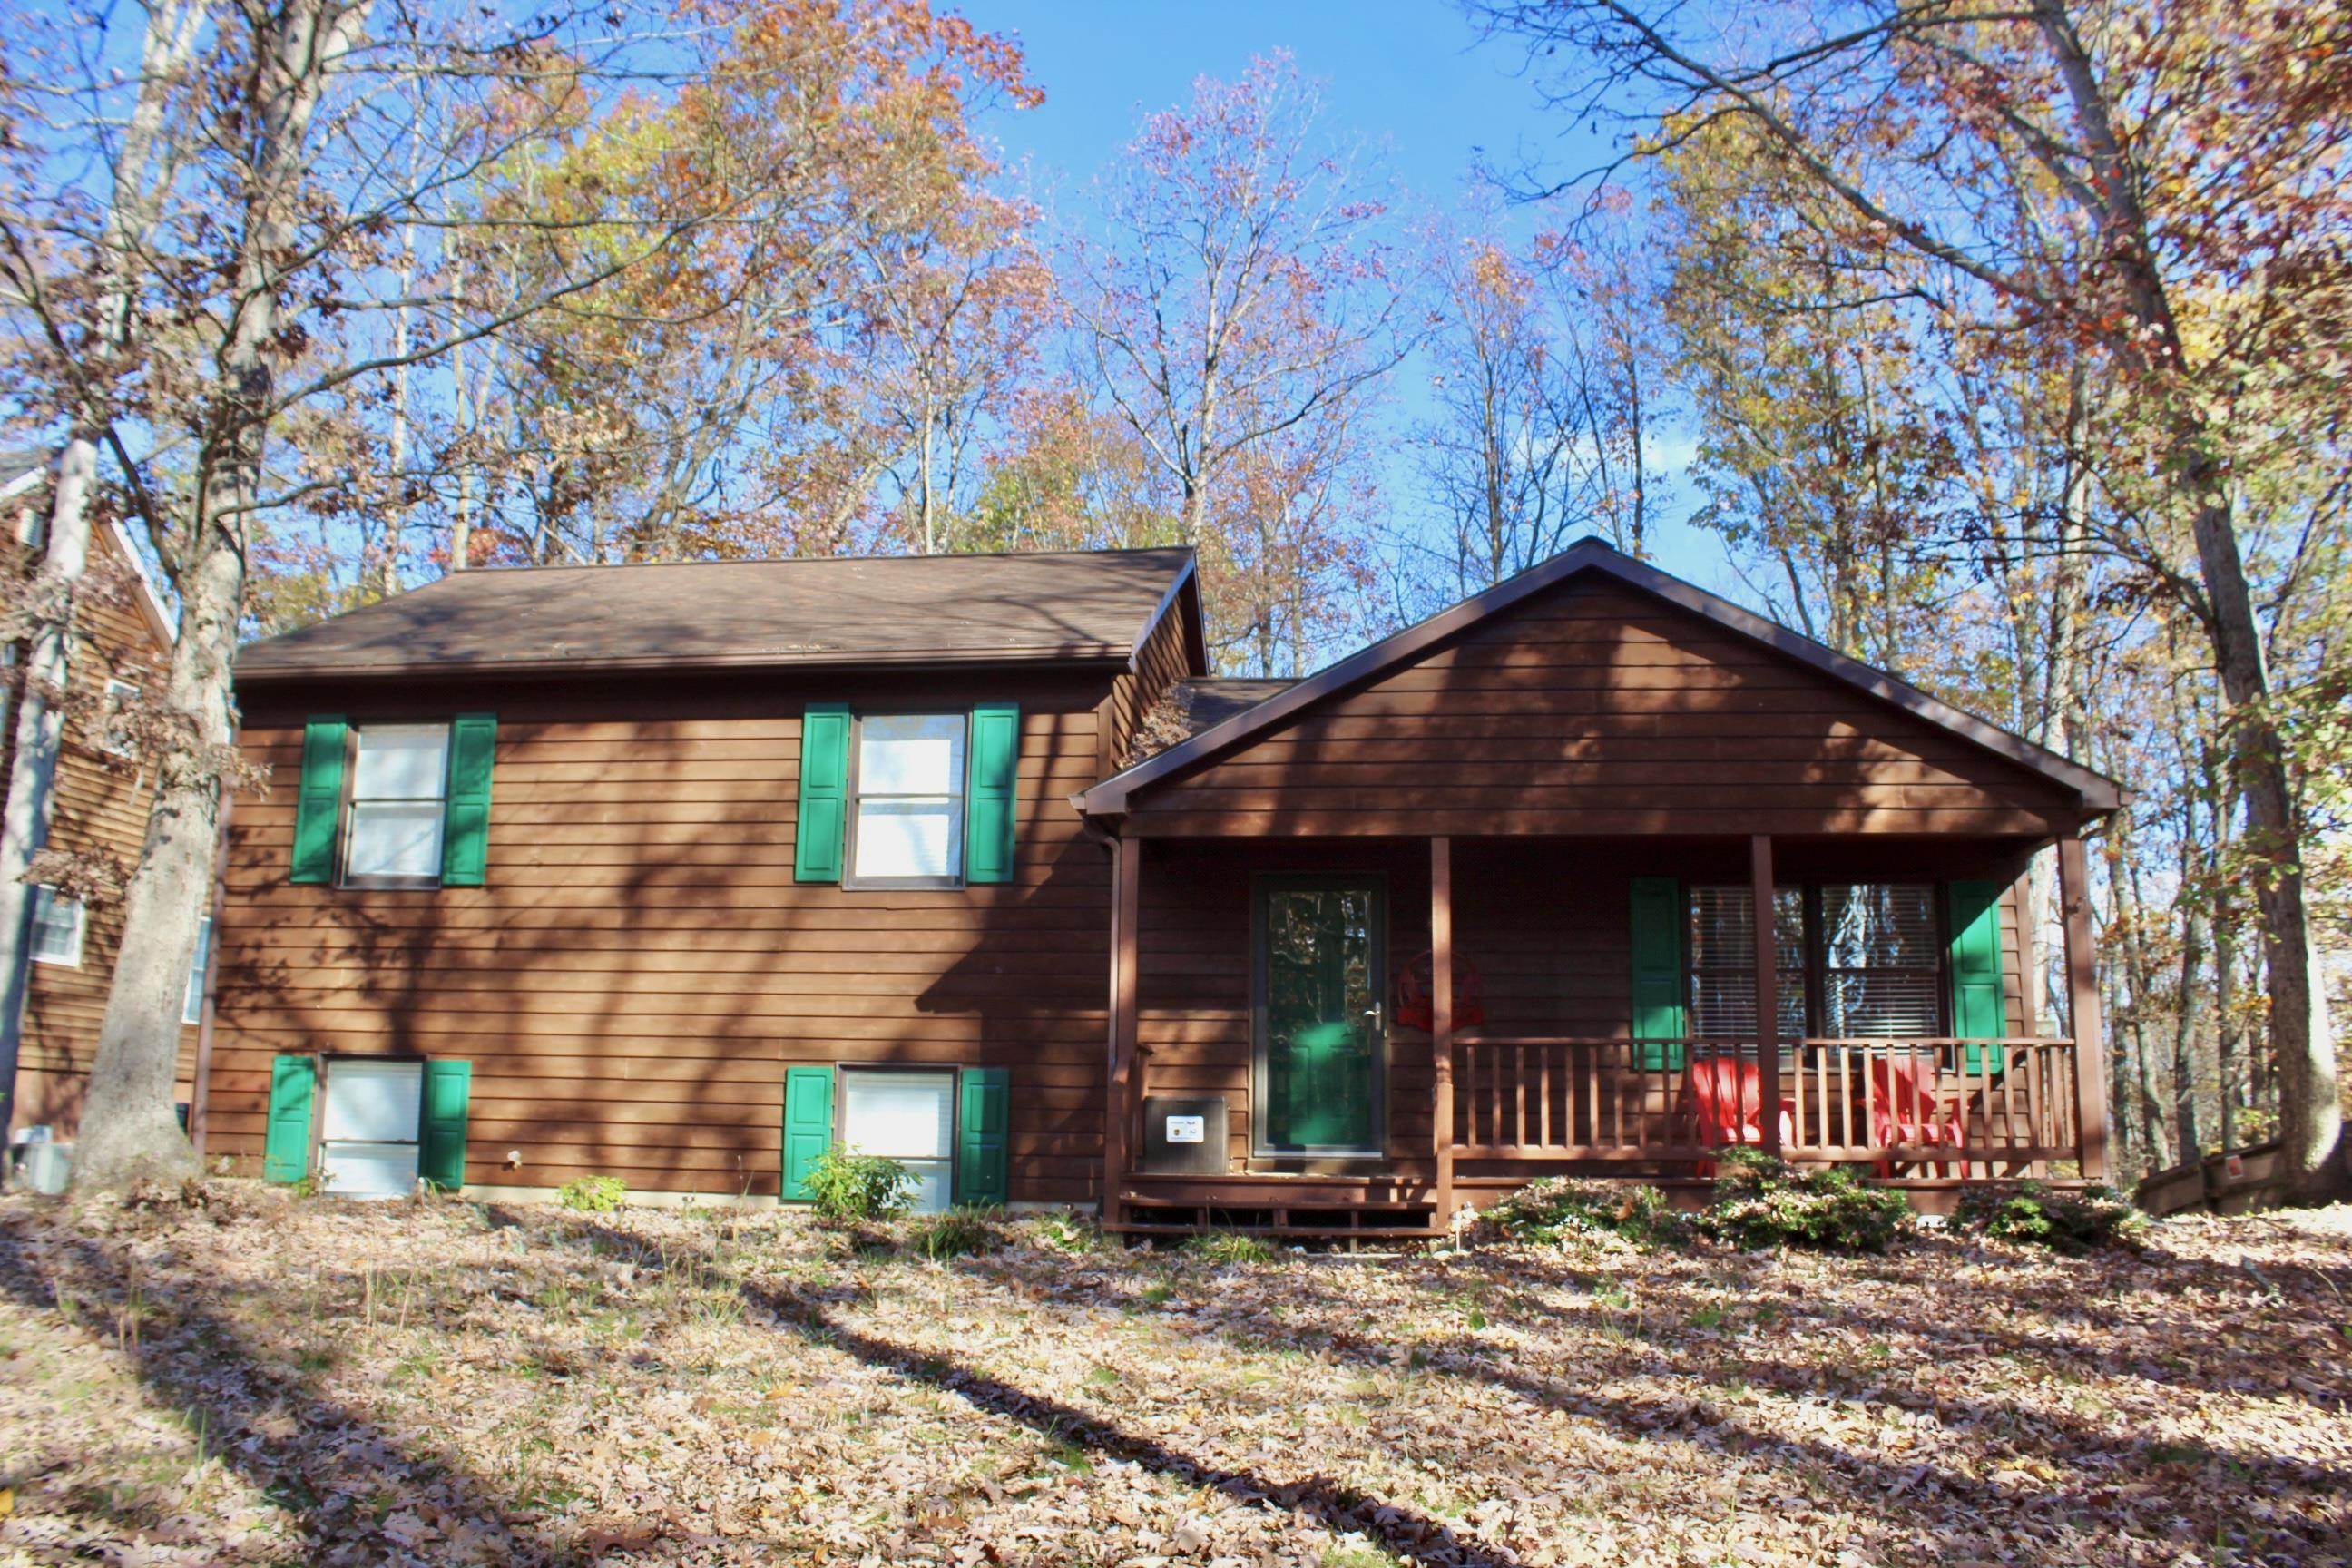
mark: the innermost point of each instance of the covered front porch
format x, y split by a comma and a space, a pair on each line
1362, 1037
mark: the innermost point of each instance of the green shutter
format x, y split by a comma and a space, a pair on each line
319, 808
1656, 928
1972, 920
825, 793
465, 814
989, 794
808, 1125
286, 1145
983, 1120
441, 1124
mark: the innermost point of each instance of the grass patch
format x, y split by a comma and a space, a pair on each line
1227, 1247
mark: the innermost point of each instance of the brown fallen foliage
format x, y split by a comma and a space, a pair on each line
245, 1378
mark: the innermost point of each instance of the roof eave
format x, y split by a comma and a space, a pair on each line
658, 664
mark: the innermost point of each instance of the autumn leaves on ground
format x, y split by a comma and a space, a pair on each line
250, 1379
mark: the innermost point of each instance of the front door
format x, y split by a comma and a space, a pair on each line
1320, 983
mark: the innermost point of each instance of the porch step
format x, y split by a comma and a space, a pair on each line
1302, 1232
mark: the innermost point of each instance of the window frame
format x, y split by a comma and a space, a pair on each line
1816, 967
347, 811
320, 1089
854, 795
80, 929
106, 741
842, 1072
192, 1005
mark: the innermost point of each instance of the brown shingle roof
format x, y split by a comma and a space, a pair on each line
1195, 704
826, 610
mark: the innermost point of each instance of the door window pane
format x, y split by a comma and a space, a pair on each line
909, 820
1322, 990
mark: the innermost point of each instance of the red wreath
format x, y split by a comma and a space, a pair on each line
1415, 1006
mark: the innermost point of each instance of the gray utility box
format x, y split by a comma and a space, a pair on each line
1185, 1135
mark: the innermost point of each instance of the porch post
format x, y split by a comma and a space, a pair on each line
1119, 1100
2083, 1010
1441, 1020
1767, 993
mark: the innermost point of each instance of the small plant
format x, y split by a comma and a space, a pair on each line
2072, 1222
1063, 1231
1762, 1202
1559, 1208
1223, 1246
850, 1189
957, 1233
592, 1195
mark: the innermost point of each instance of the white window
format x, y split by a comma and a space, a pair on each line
908, 827
367, 1135
57, 927
192, 1008
400, 776
908, 1117
1882, 964
119, 694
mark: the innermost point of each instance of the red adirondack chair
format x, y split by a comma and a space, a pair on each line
1906, 1108
1723, 1104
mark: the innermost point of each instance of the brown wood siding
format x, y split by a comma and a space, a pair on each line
641, 968
98, 804
1598, 708
1160, 663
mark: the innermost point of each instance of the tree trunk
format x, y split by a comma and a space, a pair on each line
129, 1130
2311, 1118
142, 169
40, 727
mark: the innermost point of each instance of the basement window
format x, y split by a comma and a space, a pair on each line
908, 1117
368, 1132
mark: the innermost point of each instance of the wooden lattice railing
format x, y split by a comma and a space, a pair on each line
2000, 1106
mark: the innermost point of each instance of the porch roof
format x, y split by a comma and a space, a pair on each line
2095, 794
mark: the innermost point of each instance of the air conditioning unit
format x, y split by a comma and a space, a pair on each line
1185, 1135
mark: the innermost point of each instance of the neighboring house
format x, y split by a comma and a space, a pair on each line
122, 642
683, 873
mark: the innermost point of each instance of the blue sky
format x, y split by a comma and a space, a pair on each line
1411, 78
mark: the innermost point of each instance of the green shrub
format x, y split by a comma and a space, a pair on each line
957, 1233
2071, 1222
1759, 1202
1559, 1208
592, 1195
1228, 1246
1065, 1232
845, 1188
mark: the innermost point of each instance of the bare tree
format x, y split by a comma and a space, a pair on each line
1242, 285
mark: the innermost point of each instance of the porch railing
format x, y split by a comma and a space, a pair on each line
2008, 1106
